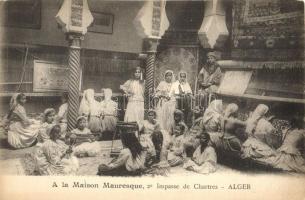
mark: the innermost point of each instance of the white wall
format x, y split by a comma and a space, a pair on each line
123, 39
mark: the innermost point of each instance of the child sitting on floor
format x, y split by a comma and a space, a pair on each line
48, 121
131, 160
204, 158
176, 146
83, 139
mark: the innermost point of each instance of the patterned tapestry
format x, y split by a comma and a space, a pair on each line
268, 24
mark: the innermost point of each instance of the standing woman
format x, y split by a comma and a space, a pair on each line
134, 89
22, 131
166, 106
109, 109
90, 108
181, 90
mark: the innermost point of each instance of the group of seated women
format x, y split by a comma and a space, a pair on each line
257, 138
151, 148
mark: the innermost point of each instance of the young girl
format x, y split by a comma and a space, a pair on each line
63, 112
55, 157
109, 112
48, 121
131, 160
90, 108
134, 89
83, 139
150, 126
22, 131
166, 105
176, 149
204, 159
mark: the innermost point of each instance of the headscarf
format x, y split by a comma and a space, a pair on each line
213, 110
182, 72
170, 72
108, 94
87, 100
80, 118
230, 109
13, 104
46, 113
260, 111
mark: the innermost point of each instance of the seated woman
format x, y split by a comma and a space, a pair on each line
131, 160
160, 165
212, 116
191, 139
90, 108
83, 139
229, 124
109, 110
204, 159
48, 121
150, 127
62, 113
176, 147
289, 156
257, 130
22, 131
54, 157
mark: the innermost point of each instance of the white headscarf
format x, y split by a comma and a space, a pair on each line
214, 110
87, 100
260, 111
108, 94
170, 72
182, 72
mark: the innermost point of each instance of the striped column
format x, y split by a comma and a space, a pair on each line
150, 48
149, 83
74, 78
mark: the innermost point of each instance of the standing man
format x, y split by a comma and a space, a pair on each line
209, 78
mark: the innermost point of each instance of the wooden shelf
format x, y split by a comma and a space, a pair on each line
265, 98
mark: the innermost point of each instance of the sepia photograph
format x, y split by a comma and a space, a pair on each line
188, 97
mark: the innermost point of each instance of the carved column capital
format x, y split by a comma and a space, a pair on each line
150, 45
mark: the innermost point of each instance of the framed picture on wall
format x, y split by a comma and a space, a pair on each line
102, 23
21, 13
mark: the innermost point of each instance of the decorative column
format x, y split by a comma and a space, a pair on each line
151, 23
74, 78
213, 31
74, 17
150, 48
